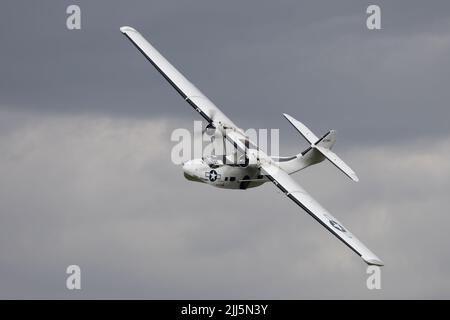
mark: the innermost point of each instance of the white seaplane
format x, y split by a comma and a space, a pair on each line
255, 167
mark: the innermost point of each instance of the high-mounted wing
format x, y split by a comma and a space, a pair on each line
185, 88
190, 93
297, 194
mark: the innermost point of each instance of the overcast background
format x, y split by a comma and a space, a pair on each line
85, 170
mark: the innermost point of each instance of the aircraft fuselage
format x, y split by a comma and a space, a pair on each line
223, 176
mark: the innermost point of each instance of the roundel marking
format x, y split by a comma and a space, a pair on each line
212, 175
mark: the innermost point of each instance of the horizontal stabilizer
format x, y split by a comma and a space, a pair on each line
338, 162
322, 145
304, 131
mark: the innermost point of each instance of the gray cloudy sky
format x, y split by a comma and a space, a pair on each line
85, 171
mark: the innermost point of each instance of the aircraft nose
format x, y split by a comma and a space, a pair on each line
189, 171
187, 167
185, 163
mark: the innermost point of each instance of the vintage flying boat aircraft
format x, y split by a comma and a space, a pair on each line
256, 167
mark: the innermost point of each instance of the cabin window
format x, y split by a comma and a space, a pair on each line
226, 178
232, 178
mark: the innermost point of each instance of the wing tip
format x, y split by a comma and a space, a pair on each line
374, 262
126, 29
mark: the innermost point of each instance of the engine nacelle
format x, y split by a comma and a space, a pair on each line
253, 157
210, 129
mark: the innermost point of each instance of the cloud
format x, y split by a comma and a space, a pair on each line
314, 60
85, 127
101, 192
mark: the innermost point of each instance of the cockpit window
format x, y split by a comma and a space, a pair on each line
213, 161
